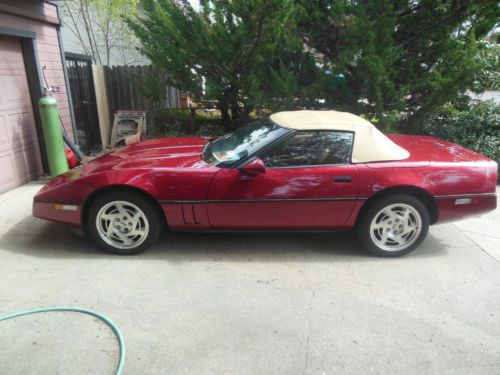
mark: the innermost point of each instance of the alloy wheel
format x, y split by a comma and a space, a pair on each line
122, 225
396, 227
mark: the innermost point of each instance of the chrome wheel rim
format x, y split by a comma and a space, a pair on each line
396, 227
122, 225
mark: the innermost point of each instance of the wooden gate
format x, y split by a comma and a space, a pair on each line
84, 102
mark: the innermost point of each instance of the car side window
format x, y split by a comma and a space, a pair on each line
308, 148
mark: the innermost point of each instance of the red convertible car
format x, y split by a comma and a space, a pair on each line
293, 171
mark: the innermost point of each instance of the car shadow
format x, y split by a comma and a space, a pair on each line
39, 238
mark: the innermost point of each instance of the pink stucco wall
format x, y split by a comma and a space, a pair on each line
49, 54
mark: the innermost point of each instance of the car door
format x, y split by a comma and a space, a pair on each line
308, 184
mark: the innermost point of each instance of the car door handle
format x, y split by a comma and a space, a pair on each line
342, 178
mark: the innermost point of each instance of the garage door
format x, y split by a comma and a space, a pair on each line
19, 152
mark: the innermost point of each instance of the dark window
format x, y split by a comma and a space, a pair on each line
306, 148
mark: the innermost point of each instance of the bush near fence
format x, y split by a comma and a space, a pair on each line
184, 121
475, 126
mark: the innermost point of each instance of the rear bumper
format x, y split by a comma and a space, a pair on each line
456, 207
67, 213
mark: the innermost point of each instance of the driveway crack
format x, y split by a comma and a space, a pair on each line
309, 321
475, 243
481, 234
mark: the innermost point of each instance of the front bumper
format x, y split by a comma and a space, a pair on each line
68, 213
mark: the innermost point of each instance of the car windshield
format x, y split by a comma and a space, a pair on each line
233, 147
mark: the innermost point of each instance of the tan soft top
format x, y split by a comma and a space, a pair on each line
369, 143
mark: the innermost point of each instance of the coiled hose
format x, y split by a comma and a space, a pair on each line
109, 322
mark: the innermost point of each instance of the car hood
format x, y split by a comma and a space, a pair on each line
176, 152
141, 165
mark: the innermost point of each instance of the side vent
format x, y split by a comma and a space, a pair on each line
193, 214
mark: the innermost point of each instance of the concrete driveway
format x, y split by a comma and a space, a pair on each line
250, 303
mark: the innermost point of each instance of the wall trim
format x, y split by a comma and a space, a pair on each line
17, 33
23, 13
66, 77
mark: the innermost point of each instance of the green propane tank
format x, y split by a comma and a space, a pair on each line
54, 144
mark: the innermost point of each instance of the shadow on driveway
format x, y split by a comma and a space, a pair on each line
39, 238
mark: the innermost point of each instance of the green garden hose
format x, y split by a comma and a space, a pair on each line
114, 328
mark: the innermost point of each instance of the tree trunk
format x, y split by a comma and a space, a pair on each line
246, 112
237, 114
192, 120
226, 119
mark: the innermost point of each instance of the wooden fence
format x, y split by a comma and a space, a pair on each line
124, 88
126, 85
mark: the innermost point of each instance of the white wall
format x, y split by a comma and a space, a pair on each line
487, 95
121, 54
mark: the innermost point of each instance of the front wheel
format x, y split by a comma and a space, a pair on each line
394, 226
123, 223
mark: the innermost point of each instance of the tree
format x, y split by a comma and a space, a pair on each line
489, 58
402, 59
100, 28
236, 53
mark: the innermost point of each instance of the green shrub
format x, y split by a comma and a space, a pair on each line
475, 126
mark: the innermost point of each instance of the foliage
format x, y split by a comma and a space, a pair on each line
403, 58
100, 28
394, 61
489, 75
475, 126
241, 54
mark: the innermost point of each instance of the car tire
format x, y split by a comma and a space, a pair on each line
124, 223
394, 226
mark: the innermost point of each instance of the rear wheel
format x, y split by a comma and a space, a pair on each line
394, 226
123, 223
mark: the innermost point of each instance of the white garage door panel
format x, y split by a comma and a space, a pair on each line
19, 153
13, 98
4, 137
20, 130
25, 162
7, 175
